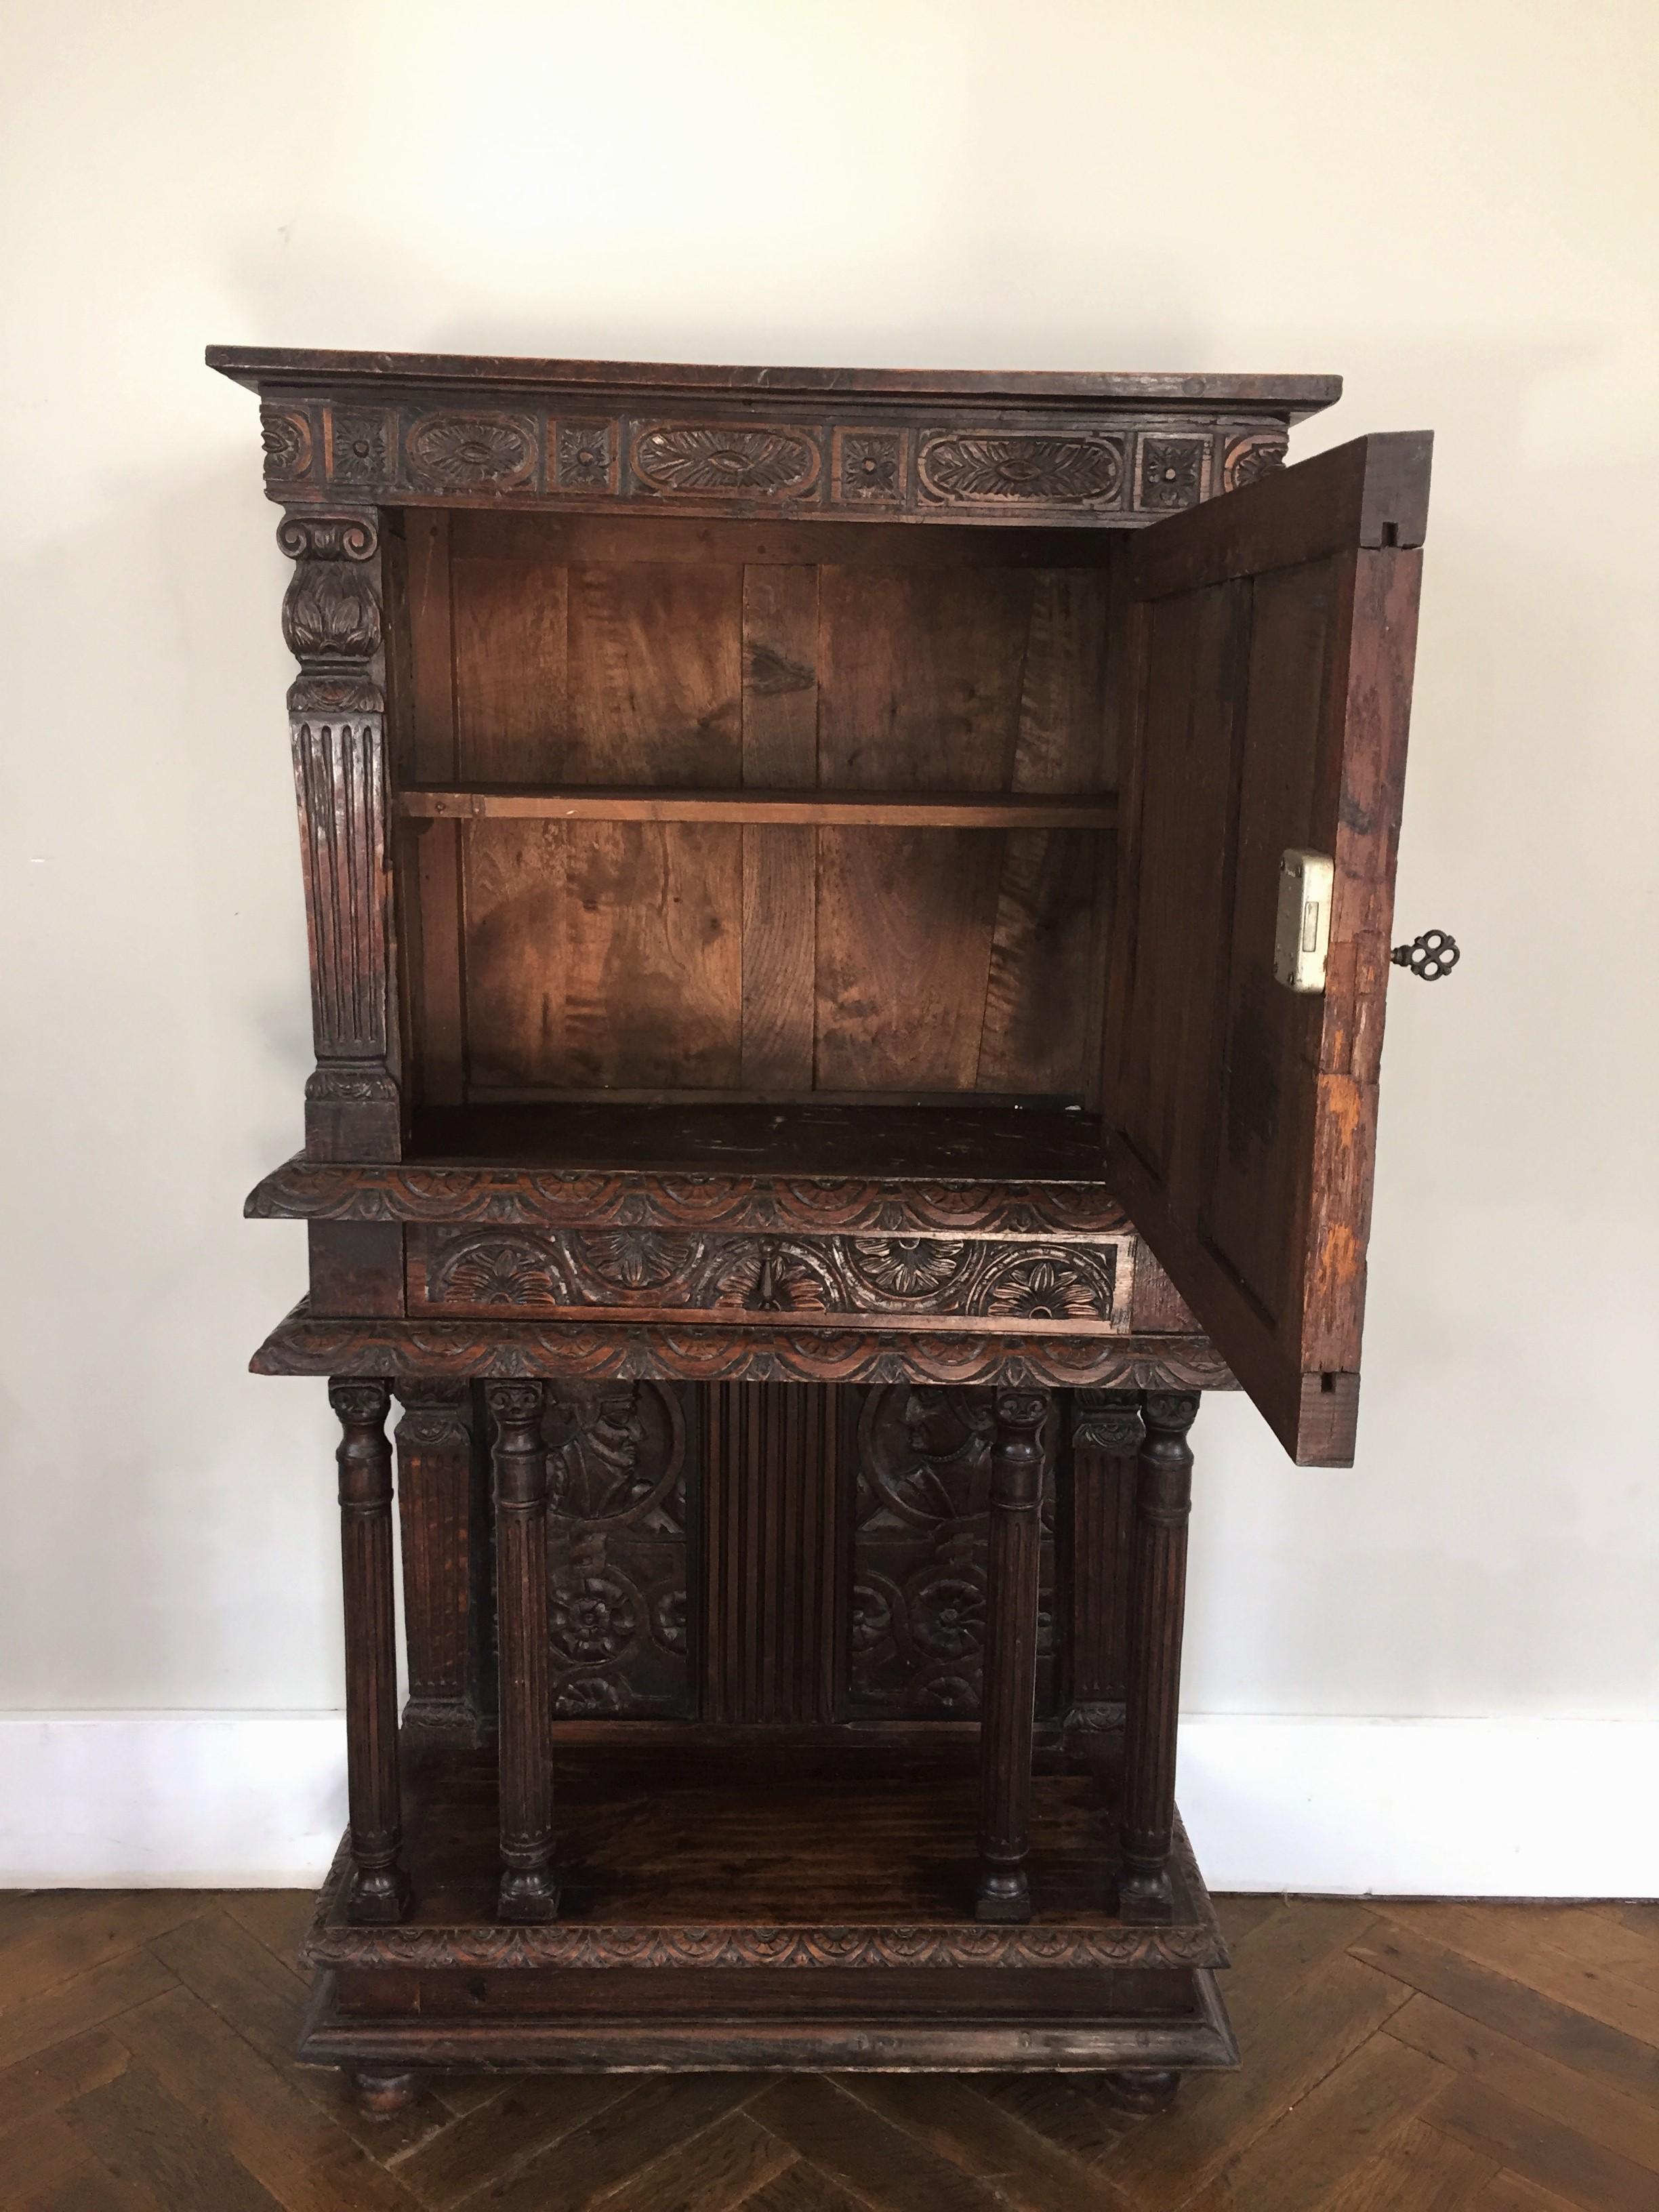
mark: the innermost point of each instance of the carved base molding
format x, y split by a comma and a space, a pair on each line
303, 1346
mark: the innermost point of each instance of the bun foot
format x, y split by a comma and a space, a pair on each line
382, 2095
1141, 2089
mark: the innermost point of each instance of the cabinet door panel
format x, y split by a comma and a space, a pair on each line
1266, 688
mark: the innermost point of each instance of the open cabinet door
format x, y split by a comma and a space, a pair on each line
1266, 688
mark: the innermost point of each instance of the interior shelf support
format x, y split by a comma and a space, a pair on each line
528, 1889
379, 1891
1164, 1497
1009, 1700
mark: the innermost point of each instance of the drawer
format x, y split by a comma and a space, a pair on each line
1061, 1287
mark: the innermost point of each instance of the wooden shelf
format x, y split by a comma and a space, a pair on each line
824, 809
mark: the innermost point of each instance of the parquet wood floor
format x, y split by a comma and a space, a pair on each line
1399, 2058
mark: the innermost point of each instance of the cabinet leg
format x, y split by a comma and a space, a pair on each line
379, 1886
382, 2095
528, 1891
1141, 2089
1163, 1493
1009, 1699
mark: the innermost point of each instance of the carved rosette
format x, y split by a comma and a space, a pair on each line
584, 455
1171, 472
1020, 468
867, 467
725, 461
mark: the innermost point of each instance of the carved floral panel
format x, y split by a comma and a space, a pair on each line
921, 1533
463, 1271
1171, 472
1019, 467
456, 452
618, 1585
727, 460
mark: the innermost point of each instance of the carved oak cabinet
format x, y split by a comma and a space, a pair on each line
812, 1083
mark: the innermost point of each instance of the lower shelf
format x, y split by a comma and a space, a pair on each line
736, 1909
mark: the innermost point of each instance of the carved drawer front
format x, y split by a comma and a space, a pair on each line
1061, 1287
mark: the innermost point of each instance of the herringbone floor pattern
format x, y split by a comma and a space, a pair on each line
1398, 2058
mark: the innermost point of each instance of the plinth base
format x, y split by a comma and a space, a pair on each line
776, 1907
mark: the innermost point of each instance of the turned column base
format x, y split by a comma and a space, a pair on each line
380, 2096
1146, 1894
528, 1896
377, 1897
1005, 1894
1141, 2089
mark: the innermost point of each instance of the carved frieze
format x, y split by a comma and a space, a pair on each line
464, 1271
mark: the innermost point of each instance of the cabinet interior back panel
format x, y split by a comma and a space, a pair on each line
774, 961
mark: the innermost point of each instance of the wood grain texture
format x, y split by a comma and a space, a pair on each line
380, 1881
1269, 681
207, 2107
528, 1890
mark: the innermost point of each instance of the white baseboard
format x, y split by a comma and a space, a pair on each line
1440, 1808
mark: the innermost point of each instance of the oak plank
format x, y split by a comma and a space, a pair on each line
952, 2116
883, 2165
68, 2070
278, 1919
141, 2132
88, 2188
1416, 2170
655, 675
1626, 2124
601, 2157
70, 1932
719, 2168
43, 2154
1505, 1943
1502, 2002
102, 1994
1306, 2157
262, 2000
780, 753
1288, 2049
303, 2157
502, 2131
805, 808
1541, 2149
1508, 2192
512, 710
803, 2188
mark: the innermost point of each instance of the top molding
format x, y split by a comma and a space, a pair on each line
365, 429
285, 368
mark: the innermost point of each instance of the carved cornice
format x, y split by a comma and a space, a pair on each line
1125, 461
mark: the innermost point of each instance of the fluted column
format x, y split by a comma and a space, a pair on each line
379, 1891
1164, 1494
528, 1889
1009, 1697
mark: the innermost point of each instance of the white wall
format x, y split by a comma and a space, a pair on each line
1451, 205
